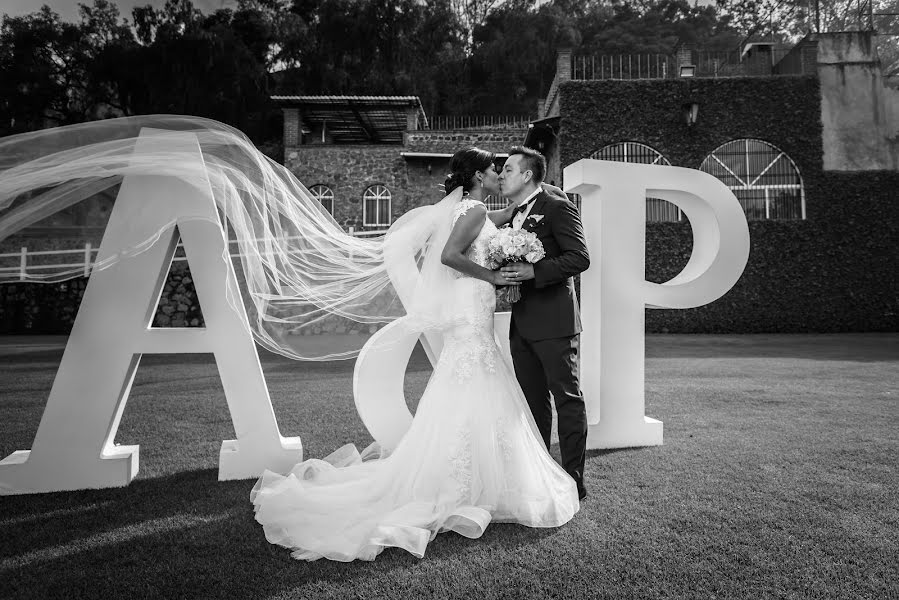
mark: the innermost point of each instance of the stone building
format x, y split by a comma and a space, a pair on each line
369, 159
809, 144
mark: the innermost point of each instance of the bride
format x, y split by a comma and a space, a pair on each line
472, 454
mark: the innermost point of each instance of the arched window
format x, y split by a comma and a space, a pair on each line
657, 210
762, 177
631, 152
376, 206
324, 195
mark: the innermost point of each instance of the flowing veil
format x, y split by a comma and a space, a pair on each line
298, 268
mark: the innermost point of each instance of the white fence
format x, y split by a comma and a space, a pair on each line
83, 258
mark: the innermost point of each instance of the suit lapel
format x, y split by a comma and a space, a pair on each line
536, 209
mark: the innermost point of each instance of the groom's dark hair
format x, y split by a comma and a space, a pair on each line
533, 161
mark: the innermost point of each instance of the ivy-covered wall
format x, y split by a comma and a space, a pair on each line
784, 111
833, 272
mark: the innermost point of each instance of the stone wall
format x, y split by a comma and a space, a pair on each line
860, 114
348, 171
50, 308
412, 180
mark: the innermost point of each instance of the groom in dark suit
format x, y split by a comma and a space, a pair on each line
546, 320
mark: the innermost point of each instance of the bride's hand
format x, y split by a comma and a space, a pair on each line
554, 191
500, 279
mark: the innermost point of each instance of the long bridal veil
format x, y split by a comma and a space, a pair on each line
298, 268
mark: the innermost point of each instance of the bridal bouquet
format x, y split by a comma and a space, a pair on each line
510, 246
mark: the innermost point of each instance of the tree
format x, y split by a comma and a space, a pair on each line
514, 55
188, 63
47, 67
373, 47
655, 27
471, 15
774, 20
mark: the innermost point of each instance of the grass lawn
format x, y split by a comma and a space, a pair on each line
779, 478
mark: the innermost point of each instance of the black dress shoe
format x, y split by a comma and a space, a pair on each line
581, 493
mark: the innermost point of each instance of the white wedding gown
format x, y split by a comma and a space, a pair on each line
471, 456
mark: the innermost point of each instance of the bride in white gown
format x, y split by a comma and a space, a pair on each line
472, 454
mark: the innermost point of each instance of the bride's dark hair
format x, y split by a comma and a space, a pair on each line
464, 165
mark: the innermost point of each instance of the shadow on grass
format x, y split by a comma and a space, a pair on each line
183, 535
852, 347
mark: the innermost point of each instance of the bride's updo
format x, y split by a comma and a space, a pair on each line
463, 167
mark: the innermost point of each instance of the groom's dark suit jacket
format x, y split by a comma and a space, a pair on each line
548, 306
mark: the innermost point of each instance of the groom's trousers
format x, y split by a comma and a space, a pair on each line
552, 366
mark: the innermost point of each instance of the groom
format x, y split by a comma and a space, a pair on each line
546, 321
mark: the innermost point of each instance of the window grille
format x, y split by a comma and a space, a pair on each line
657, 210
376, 206
324, 195
762, 177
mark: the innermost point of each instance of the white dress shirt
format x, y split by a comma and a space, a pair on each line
518, 219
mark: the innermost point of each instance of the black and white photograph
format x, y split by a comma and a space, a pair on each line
449, 299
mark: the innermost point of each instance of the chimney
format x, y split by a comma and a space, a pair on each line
291, 127
685, 55
412, 118
563, 64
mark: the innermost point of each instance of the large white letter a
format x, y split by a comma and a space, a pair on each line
74, 447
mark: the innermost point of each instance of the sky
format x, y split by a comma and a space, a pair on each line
68, 9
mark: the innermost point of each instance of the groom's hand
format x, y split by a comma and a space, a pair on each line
520, 271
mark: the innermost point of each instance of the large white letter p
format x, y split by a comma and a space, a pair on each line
614, 291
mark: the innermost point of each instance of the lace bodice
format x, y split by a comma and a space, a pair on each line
477, 252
